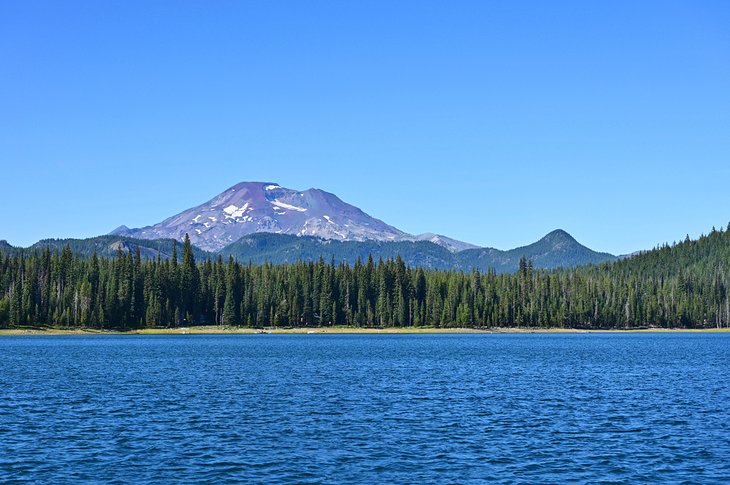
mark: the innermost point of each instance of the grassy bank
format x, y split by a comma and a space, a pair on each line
221, 330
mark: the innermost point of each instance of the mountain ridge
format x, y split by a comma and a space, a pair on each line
555, 250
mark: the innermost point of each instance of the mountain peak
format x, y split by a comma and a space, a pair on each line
253, 207
558, 248
559, 236
119, 230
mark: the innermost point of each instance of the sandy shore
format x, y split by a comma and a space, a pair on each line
221, 330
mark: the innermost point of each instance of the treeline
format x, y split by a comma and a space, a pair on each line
682, 285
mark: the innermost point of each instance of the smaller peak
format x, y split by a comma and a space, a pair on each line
559, 235
322, 193
119, 230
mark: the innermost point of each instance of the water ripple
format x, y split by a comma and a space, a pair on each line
351, 409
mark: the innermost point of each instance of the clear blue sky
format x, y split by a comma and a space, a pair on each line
492, 122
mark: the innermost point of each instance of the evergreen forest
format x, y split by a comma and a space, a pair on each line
683, 285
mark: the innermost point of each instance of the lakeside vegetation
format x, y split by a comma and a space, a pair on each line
334, 330
684, 285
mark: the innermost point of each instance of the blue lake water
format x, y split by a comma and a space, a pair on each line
533, 408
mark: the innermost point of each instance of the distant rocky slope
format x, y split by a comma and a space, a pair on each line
264, 207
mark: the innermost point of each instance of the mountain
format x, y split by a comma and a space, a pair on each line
558, 249
263, 221
109, 246
254, 207
555, 250
283, 248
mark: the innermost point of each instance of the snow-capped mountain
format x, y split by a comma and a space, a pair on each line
253, 207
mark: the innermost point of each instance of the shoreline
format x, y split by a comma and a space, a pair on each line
219, 330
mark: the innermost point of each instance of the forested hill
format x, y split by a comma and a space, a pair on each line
287, 249
689, 258
108, 246
104, 246
555, 250
683, 285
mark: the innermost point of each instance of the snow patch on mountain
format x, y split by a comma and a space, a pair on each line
288, 206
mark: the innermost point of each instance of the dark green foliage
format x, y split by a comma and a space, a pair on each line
557, 249
285, 248
683, 285
108, 246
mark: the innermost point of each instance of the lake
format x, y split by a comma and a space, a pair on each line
511, 408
